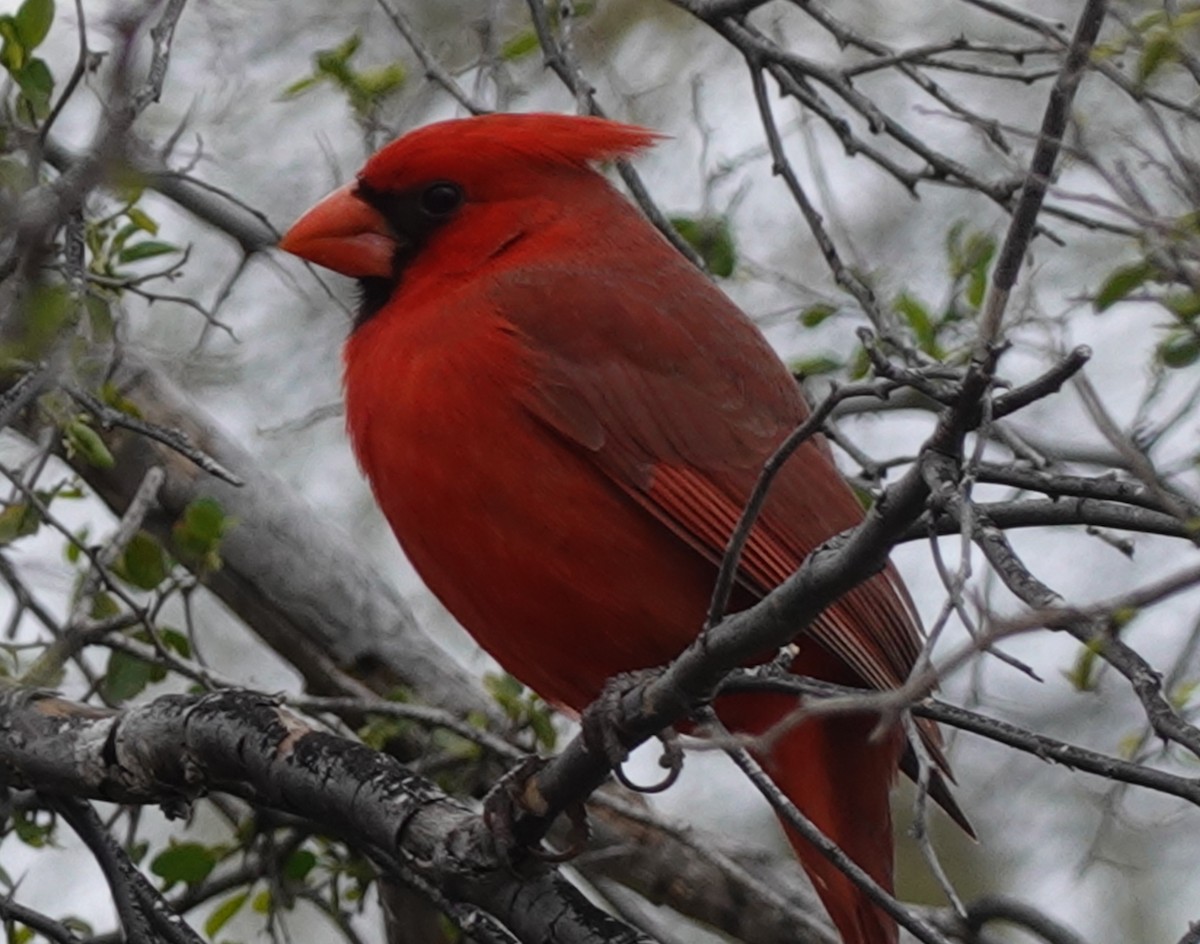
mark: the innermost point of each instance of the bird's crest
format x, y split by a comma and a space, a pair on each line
502, 140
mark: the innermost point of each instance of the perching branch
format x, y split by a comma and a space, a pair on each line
177, 748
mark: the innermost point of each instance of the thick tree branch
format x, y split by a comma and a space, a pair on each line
177, 748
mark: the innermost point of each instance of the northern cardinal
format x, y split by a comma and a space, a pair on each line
562, 418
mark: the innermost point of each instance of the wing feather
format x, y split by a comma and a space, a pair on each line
679, 400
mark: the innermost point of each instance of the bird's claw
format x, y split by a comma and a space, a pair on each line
515, 794
604, 734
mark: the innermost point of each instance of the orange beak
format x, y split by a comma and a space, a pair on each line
345, 234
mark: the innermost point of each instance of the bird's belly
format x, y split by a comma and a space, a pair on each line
557, 573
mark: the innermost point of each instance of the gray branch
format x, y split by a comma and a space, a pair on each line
180, 747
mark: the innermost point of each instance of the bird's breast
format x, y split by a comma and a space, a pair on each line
560, 575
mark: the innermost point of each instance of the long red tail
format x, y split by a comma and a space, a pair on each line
839, 780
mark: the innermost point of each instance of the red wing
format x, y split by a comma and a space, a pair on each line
680, 400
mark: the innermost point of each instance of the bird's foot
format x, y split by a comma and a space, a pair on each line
516, 794
605, 735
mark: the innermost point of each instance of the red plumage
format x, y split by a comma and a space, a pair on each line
562, 419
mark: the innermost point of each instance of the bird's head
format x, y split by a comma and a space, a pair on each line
467, 181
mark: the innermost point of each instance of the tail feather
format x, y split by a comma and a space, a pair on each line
840, 780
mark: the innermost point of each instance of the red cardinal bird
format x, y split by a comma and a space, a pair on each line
562, 418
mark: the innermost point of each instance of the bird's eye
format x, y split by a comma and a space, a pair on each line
441, 199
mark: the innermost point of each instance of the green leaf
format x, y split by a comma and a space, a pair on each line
299, 864
1182, 694
860, 366
112, 396
1183, 305
814, 315
1083, 674
31, 832
1159, 49
1179, 349
376, 83
104, 606
144, 563
37, 85
187, 862
175, 640
18, 520
262, 902
126, 676
380, 731
223, 912
1121, 282
542, 725
816, 366
12, 53
147, 249
142, 220
506, 691
520, 46
197, 534
918, 318
33, 21
85, 442
301, 85
712, 238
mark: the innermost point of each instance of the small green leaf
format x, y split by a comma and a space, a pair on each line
37, 85
860, 366
712, 238
33, 21
262, 902
542, 725
18, 520
380, 731
224, 912
1182, 694
1159, 49
814, 315
197, 534
1179, 349
301, 85
376, 83
112, 396
12, 53
104, 606
520, 46
142, 220
506, 691
299, 864
816, 366
29, 830
85, 442
147, 249
918, 318
187, 862
144, 563
126, 676
1183, 305
1121, 282
175, 640
1082, 675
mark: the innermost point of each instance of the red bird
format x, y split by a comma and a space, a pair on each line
562, 418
